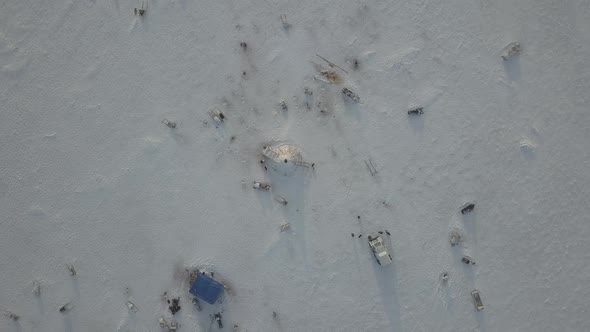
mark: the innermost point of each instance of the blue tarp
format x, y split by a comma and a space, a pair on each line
206, 288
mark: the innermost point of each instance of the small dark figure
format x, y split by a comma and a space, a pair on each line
275, 316
307, 91
380, 232
174, 306
352, 234
467, 208
347, 92
13, 316
467, 260
285, 161
169, 123
416, 110
196, 303
358, 217
312, 165
355, 64
360, 235
243, 44
71, 268
65, 307
218, 319
386, 232
141, 10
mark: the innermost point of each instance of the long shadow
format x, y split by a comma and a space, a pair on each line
387, 280
416, 122
76, 287
16, 326
512, 68
470, 226
293, 189
351, 107
68, 323
40, 307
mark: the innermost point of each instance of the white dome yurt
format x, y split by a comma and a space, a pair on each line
282, 158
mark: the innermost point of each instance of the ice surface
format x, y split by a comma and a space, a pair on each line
90, 176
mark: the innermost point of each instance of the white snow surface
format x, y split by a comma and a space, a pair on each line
89, 175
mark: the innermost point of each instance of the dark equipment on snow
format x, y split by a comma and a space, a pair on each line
467, 208
218, 319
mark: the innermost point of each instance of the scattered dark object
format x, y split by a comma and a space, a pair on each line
261, 161
416, 110
369, 237
37, 287
243, 44
286, 24
360, 235
141, 10
380, 232
275, 316
307, 91
511, 50
467, 260
216, 115
455, 238
243, 73
168, 123
444, 277
174, 306
355, 64
212, 274
280, 199
285, 161
331, 64
467, 208
196, 303
71, 269
284, 105
352, 234
132, 306
233, 138
312, 165
261, 185
12, 315
347, 92
358, 217
218, 319
371, 167
386, 232
65, 307
477, 300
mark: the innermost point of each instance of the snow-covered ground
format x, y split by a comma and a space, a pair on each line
89, 175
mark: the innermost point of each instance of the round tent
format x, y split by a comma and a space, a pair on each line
282, 158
